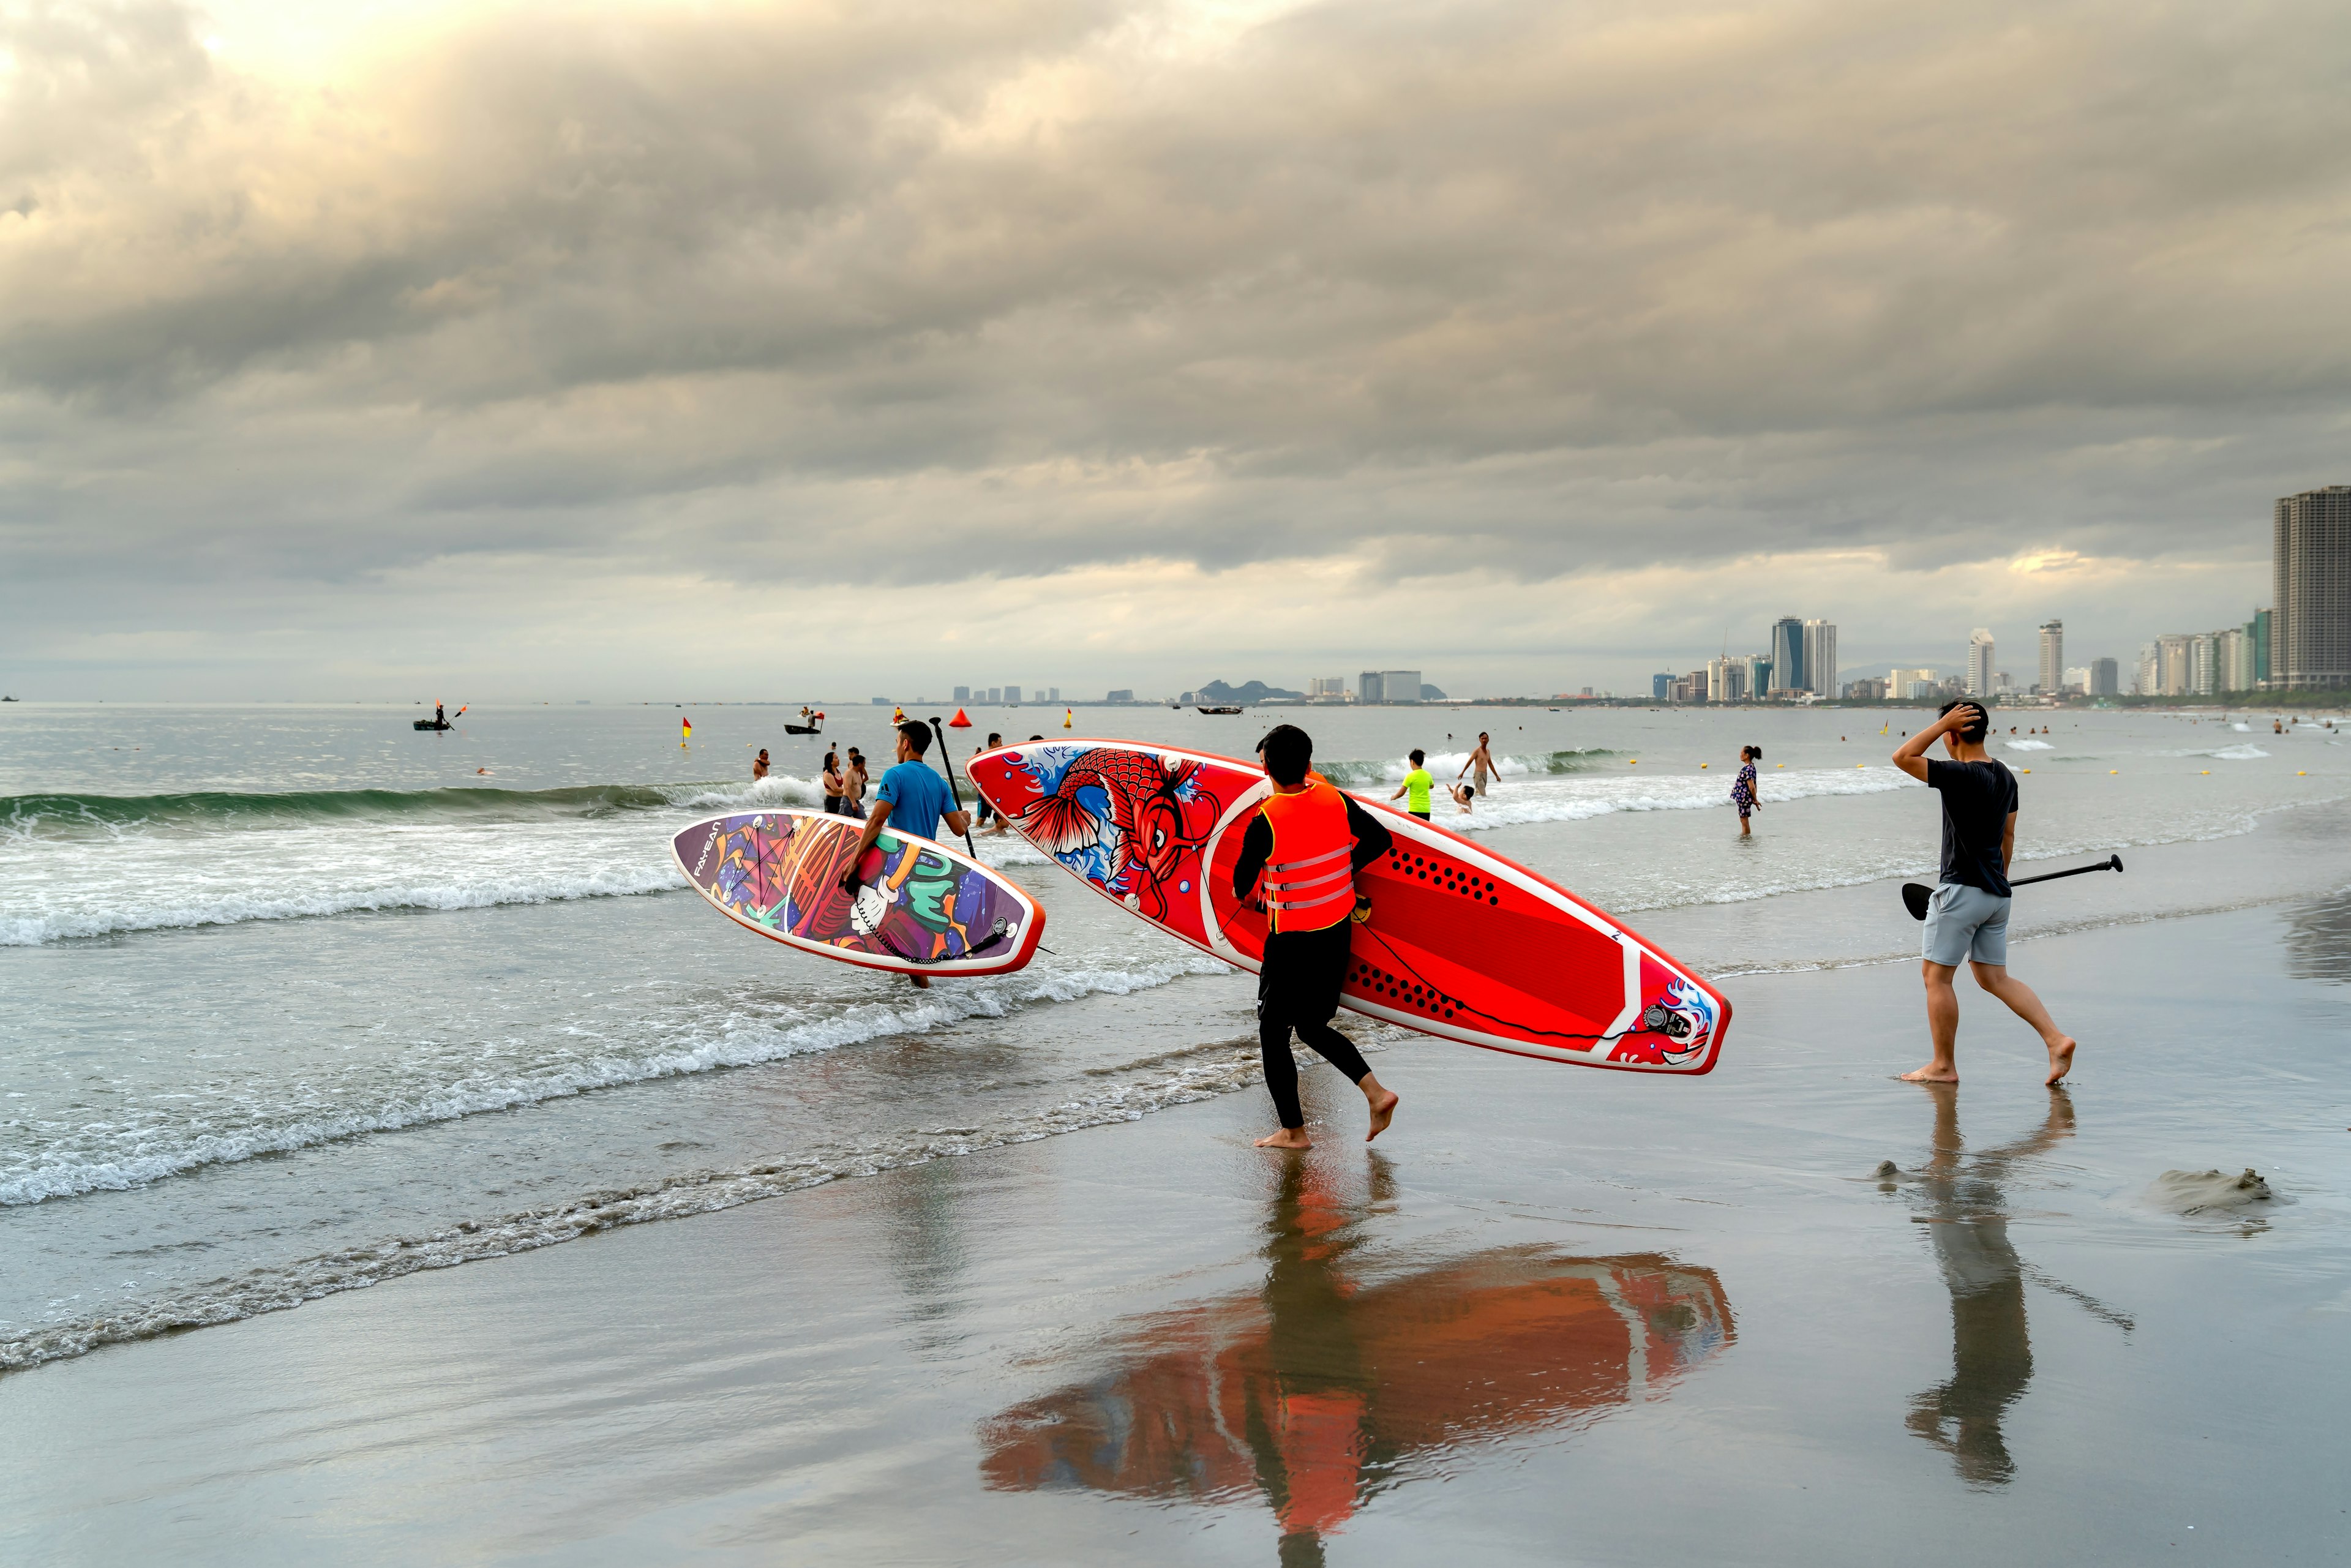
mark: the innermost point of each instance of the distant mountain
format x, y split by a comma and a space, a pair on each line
1429, 694
1217, 693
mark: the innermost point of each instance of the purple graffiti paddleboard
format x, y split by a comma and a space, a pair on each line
924, 909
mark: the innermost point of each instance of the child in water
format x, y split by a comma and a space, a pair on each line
1413, 790
1742, 788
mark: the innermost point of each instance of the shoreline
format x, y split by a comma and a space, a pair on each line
880, 1366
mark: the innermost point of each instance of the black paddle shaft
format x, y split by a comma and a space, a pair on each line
1916, 894
947, 757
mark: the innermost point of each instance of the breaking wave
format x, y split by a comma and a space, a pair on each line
1446, 764
99, 1158
96, 865
41, 816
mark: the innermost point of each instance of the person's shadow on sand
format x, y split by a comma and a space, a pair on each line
1991, 1350
1345, 1375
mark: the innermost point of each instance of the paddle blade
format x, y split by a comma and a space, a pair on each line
1914, 899
2115, 862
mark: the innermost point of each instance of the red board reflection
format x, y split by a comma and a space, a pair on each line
1323, 1389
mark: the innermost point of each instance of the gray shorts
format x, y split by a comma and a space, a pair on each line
1965, 922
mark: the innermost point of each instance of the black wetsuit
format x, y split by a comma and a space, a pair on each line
1297, 983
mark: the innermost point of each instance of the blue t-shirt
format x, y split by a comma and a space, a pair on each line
918, 797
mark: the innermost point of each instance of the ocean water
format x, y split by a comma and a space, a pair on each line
295, 999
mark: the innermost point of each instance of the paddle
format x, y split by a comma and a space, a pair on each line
1914, 896
947, 757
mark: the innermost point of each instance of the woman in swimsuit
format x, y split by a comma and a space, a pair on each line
834, 784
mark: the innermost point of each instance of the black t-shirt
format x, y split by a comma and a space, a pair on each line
1977, 799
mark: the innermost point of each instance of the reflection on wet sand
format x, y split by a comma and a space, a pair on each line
1325, 1387
1992, 1351
2318, 940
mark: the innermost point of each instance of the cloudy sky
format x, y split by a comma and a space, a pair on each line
733, 351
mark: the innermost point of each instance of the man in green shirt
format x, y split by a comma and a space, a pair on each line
1416, 788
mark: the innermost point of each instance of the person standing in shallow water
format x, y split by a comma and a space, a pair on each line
1413, 790
1481, 758
1309, 841
835, 784
1742, 788
1967, 920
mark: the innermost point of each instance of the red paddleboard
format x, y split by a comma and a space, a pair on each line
924, 909
1462, 943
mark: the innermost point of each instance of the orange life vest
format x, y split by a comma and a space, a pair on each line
1310, 877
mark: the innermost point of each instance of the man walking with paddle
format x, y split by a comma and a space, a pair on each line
1967, 919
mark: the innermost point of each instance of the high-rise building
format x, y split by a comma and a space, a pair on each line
1980, 656
2203, 664
1726, 680
995, 696
1757, 675
2236, 659
2259, 628
1400, 685
1012, 697
1053, 693
2053, 657
1820, 658
1661, 688
2148, 680
1122, 695
963, 694
2076, 678
1326, 688
1899, 682
1787, 653
2310, 571
1368, 688
2172, 664
2105, 679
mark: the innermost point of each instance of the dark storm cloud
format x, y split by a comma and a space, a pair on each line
1535, 287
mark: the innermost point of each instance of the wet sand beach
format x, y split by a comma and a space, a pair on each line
1794, 1312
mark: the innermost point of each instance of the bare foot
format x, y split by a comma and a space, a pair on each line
922, 982
1930, 1073
1287, 1138
1383, 1112
2060, 1061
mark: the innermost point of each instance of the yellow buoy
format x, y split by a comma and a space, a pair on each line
1636, 762
2299, 772
2204, 770
1706, 765
2028, 769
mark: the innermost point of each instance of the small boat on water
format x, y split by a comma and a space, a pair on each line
1229, 709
